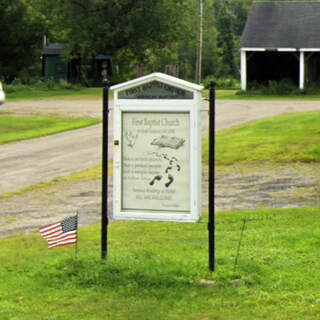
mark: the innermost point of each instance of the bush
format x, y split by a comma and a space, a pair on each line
313, 88
50, 84
285, 86
17, 85
63, 84
282, 87
222, 83
273, 87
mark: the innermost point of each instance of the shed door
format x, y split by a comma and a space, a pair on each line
55, 68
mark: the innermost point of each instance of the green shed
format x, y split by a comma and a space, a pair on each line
56, 68
53, 66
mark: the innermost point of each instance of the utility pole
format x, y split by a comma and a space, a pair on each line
199, 51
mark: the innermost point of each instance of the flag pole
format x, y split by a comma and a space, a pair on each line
76, 246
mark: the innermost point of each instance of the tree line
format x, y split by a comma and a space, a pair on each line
153, 34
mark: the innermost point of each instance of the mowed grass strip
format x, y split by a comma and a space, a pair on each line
14, 128
287, 138
231, 94
32, 93
154, 270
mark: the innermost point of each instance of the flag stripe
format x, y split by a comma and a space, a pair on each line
60, 235
70, 236
49, 230
50, 245
52, 233
50, 226
63, 237
63, 243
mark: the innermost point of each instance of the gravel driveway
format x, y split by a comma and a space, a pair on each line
39, 160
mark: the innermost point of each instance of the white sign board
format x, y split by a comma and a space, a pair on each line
157, 154
155, 161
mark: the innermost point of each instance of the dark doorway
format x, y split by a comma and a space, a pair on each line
265, 66
312, 67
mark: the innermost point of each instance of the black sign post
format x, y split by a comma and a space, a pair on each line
104, 198
211, 224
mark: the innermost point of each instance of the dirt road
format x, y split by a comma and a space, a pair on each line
32, 161
39, 160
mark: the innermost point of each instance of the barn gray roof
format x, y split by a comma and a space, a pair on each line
282, 25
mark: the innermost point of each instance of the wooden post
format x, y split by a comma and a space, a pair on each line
302, 72
243, 70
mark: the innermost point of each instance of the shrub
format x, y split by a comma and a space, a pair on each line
285, 86
63, 84
222, 83
313, 88
38, 84
273, 87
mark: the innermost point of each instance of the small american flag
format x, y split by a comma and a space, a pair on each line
61, 233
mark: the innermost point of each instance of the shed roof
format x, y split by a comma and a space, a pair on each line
52, 49
103, 57
282, 25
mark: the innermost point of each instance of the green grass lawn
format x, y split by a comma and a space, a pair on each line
33, 93
286, 138
153, 271
30, 93
19, 128
232, 95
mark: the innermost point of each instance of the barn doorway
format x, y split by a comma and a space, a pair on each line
312, 60
272, 65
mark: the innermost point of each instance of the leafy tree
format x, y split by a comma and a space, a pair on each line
127, 29
226, 39
210, 45
20, 38
152, 33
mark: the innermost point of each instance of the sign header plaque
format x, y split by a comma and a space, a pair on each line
155, 90
157, 157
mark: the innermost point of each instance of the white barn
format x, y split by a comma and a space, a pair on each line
281, 40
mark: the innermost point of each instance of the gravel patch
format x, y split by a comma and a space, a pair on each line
279, 187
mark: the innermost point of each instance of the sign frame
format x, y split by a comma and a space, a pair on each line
169, 106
